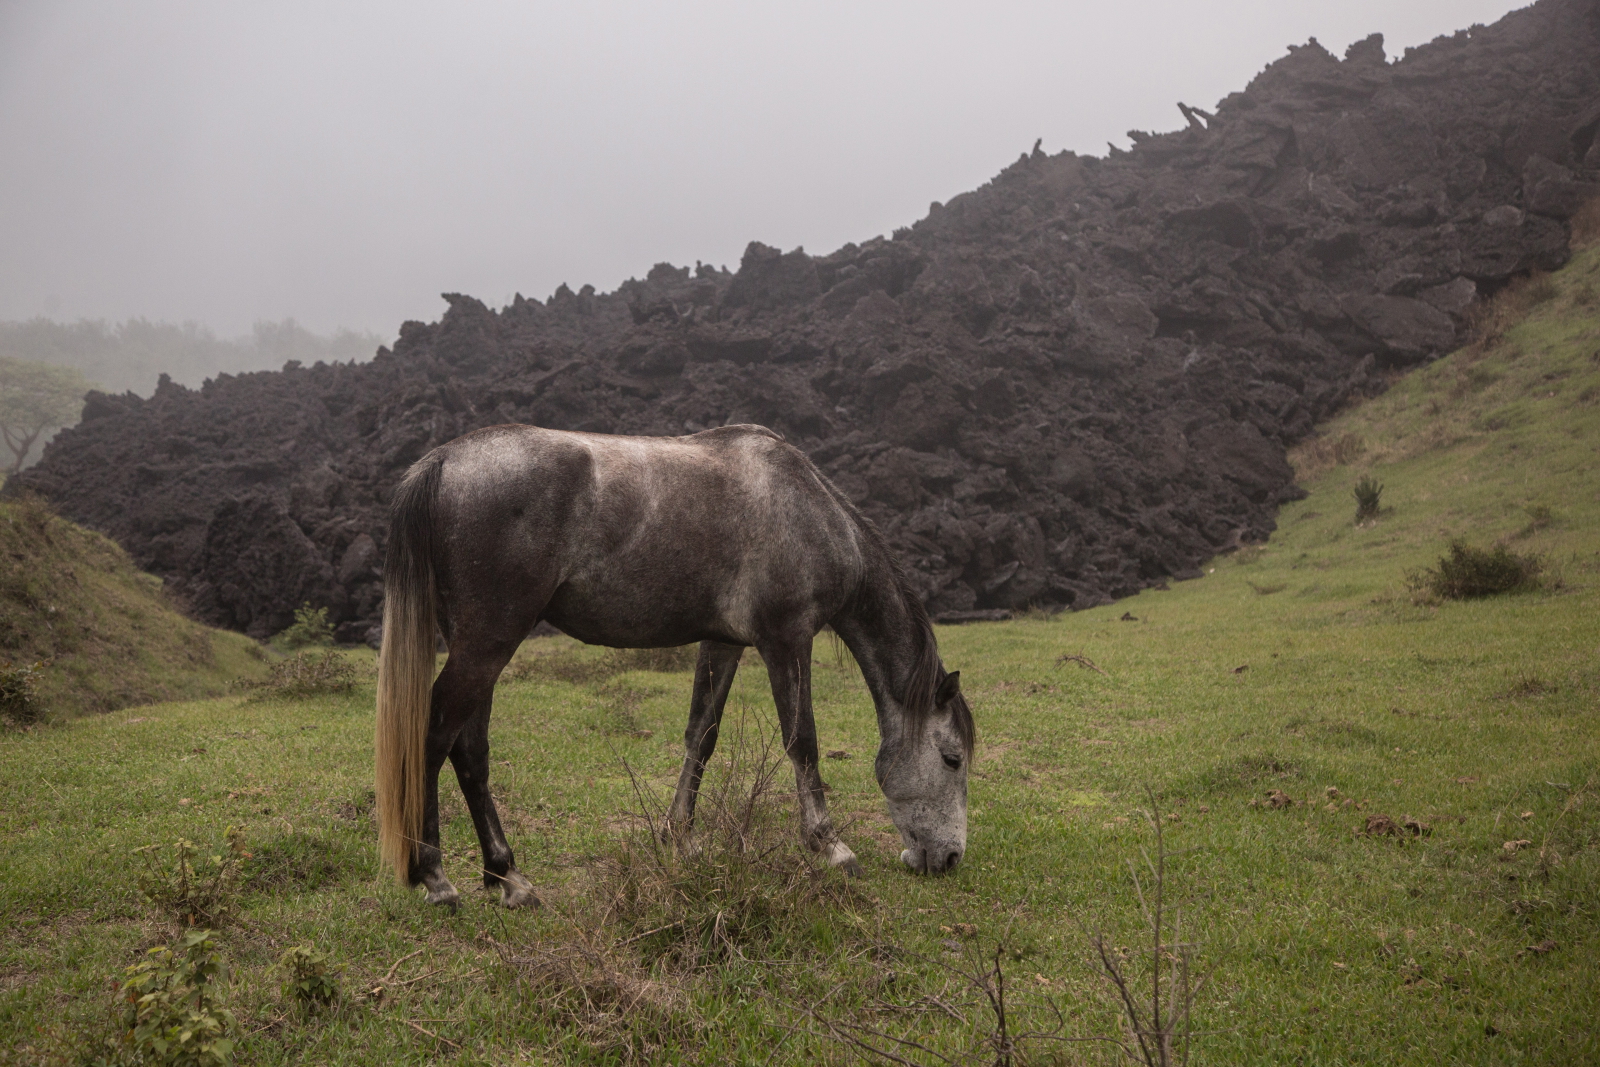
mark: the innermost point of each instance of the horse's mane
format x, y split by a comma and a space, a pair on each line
927, 672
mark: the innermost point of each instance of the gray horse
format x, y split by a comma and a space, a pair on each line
731, 538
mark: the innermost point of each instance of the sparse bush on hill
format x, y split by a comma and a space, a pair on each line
310, 628
1467, 572
306, 674
19, 694
1489, 320
1367, 492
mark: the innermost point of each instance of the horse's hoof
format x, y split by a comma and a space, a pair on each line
840, 856
516, 891
445, 896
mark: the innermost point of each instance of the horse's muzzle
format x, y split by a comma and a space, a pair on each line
937, 860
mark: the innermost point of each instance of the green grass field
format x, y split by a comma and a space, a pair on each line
1305, 666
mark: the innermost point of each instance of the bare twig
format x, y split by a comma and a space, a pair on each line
1080, 660
430, 1033
385, 979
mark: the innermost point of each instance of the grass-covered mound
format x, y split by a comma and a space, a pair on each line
1383, 809
100, 629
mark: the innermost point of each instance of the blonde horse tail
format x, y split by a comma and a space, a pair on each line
406, 666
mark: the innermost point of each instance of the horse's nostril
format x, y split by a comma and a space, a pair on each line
951, 861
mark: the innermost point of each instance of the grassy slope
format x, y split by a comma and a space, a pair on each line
73, 599
1327, 947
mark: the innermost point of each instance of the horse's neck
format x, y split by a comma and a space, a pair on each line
886, 641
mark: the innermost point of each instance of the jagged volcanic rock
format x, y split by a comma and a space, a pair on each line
1071, 383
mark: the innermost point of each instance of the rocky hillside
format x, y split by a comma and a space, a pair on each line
1076, 381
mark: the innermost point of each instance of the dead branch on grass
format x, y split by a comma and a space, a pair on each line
1159, 1028
1080, 660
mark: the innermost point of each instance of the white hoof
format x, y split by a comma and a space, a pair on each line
516, 891
839, 855
440, 891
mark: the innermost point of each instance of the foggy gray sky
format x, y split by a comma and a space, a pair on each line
344, 163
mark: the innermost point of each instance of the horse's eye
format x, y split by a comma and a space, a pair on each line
953, 762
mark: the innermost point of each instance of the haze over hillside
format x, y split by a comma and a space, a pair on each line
1074, 382
131, 356
345, 163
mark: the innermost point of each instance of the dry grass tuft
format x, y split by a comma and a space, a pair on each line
659, 917
1586, 224
1488, 320
586, 985
740, 885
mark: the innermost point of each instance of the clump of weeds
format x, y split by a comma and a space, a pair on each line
305, 674
173, 1012
194, 891
310, 979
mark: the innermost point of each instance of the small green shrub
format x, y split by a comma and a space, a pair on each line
19, 694
310, 628
1367, 492
306, 674
173, 1015
194, 892
1468, 572
1539, 518
309, 978
1349, 448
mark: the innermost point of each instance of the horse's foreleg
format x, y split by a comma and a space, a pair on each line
789, 667
713, 677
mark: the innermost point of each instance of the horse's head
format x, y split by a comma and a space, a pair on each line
923, 772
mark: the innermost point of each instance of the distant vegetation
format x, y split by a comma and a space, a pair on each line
36, 398
131, 356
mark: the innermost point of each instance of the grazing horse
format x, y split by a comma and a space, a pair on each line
731, 538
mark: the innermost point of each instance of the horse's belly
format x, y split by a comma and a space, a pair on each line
642, 611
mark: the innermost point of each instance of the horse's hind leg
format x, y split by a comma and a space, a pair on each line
470, 757
789, 667
713, 675
459, 729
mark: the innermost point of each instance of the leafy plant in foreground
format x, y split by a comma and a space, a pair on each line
194, 892
1367, 493
309, 978
1467, 572
174, 1017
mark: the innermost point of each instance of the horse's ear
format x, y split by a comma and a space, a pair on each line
949, 689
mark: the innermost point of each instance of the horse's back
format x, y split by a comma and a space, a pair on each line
646, 540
